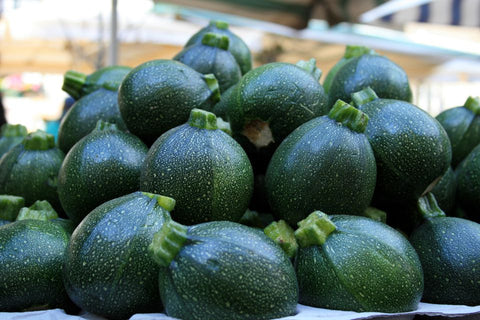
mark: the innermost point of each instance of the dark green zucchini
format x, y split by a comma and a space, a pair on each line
10, 136
202, 168
462, 125
386, 78
356, 263
449, 250
412, 150
468, 184
270, 102
223, 270
158, 95
103, 165
30, 169
350, 53
211, 56
78, 84
32, 254
445, 191
237, 46
107, 269
10, 206
82, 117
326, 164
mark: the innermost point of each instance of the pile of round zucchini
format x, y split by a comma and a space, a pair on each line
201, 188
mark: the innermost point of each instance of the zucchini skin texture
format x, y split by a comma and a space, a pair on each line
449, 249
31, 174
322, 165
411, 149
107, 269
205, 171
229, 271
363, 266
387, 79
82, 117
468, 184
31, 259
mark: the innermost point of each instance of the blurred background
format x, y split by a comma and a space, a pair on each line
437, 42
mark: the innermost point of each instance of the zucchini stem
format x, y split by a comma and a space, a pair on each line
202, 119
314, 229
10, 206
39, 210
168, 242
39, 140
166, 203
473, 104
283, 235
73, 83
361, 97
428, 207
13, 130
216, 40
349, 116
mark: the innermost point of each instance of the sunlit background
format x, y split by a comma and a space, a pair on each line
436, 42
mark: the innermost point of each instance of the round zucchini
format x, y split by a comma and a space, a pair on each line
30, 169
211, 56
158, 95
462, 125
10, 136
356, 263
78, 84
10, 206
412, 150
386, 78
449, 250
202, 168
223, 270
445, 191
468, 184
237, 47
326, 164
103, 165
32, 254
107, 269
82, 117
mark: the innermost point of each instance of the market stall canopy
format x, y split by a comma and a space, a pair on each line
297, 13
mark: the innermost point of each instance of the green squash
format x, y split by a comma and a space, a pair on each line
237, 46
449, 250
202, 168
350, 53
107, 269
103, 165
220, 108
30, 169
325, 164
386, 78
32, 251
78, 84
445, 191
356, 263
270, 102
158, 95
468, 184
82, 117
10, 206
223, 270
211, 56
412, 150
10, 136
462, 125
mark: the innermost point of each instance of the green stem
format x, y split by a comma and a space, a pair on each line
40, 210
311, 67
314, 229
349, 116
361, 97
202, 119
219, 24
357, 51
473, 104
39, 140
13, 130
10, 206
104, 126
73, 83
166, 203
224, 126
212, 84
428, 207
375, 214
216, 40
282, 234
168, 242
